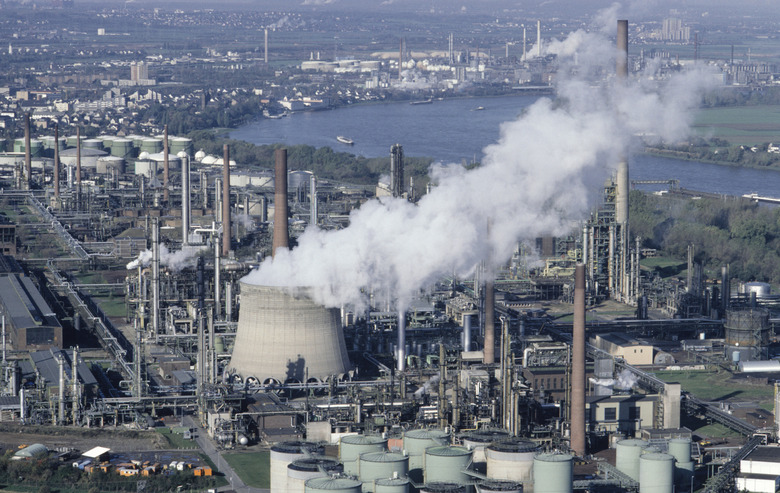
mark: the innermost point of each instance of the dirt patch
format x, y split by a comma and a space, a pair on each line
82, 439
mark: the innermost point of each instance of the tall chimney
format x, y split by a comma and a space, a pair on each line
539, 38
489, 356
78, 159
266, 46
156, 277
226, 229
56, 177
401, 350
396, 170
166, 173
622, 185
281, 235
27, 153
622, 48
314, 211
578, 364
185, 199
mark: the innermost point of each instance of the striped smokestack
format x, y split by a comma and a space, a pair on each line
281, 235
166, 170
578, 364
56, 179
226, 229
27, 153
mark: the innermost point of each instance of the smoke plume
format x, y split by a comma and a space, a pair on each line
540, 178
175, 261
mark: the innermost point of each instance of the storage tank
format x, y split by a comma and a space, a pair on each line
298, 334
92, 144
391, 485
680, 449
152, 146
108, 141
479, 440
307, 468
511, 459
71, 140
381, 465
762, 289
497, 486
627, 456
106, 164
447, 463
656, 473
553, 473
351, 446
332, 485
179, 144
122, 148
36, 147
416, 441
747, 331
443, 488
285, 453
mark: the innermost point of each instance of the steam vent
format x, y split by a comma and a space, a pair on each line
282, 333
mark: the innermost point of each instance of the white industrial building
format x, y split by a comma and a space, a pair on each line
759, 471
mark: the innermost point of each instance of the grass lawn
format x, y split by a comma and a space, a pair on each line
744, 125
254, 468
175, 440
717, 386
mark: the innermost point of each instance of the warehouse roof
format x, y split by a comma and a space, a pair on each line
23, 303
48, 365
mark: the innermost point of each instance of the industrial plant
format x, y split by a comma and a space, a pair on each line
132, 288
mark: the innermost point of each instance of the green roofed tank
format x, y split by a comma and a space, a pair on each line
627, 454
446, 464
332, 485
351, 446
416, 441
381, 465
391, 485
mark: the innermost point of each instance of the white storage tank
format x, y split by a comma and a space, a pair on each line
381, 465
553, 473
627, 456
282, 455
498, 486
416, 441
478, 441
332, 485
391, 485
656, 473
447, 464
106, 164
308, 468
351, 446
511, 459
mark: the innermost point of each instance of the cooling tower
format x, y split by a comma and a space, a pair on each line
282, 333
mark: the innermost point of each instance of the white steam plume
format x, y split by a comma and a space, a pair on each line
624, 381
540, 178
175, 261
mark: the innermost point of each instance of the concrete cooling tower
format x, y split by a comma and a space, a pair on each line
282, 333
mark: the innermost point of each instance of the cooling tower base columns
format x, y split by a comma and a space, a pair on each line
283, 335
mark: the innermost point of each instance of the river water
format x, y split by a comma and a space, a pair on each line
456, 131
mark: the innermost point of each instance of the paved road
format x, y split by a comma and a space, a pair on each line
208, 448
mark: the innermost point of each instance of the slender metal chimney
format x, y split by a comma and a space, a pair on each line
578, 364
74, 380
166, 170
61, 404
467, 332
539, 38
156, 277
185, 199
265, 47
226, 229
622, 185
78, 164
281, 235
489, 356
314, 213
27, 153
396, 170
401, 351
56, 177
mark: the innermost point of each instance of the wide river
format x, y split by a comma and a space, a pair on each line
456, 130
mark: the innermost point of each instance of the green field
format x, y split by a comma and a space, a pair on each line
254, 468
718, 386
743, 125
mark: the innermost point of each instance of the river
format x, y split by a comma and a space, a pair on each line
456, 130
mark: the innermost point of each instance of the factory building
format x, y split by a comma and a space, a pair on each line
29, 320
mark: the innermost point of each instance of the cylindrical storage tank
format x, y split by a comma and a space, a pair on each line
144, 167
627, 456
106, 164
219, 344
680, 449
762, 289
683, 472
416, 441
303, 470
443, 488
332, 485
108, 141
296, 179
747, 327
36, 148
71, 140
179, 144
47, 141
122, 148
18, 145
391, 485
92, 144
381, 465
446, 464
511, 459
282, 455
351, 446
152, 146
656, 473
137, 140
553, 473
304, 335
495, 486
479, 440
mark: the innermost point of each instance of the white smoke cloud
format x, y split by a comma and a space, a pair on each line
175, 261
624, 381
541, 177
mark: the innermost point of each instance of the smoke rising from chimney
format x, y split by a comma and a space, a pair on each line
540, 178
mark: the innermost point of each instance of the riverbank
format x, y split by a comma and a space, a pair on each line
689, 156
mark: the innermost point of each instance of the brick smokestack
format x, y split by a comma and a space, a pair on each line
226, 229
578, 364
281, 235
488, 355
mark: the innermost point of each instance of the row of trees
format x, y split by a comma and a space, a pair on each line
724, 231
